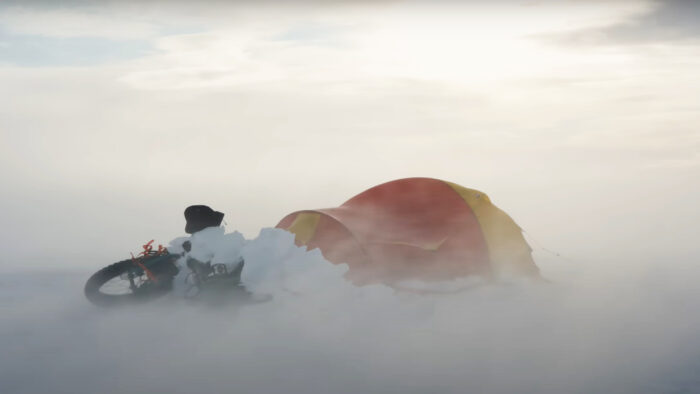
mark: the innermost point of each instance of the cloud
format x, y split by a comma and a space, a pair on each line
667, 21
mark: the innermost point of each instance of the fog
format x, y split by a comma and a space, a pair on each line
578, 119
594, 332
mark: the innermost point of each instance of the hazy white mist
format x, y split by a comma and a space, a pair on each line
579, 119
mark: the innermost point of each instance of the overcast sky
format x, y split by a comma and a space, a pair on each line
578, 118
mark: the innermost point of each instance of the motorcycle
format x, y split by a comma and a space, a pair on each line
151, 274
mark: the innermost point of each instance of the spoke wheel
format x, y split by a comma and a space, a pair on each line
119, 284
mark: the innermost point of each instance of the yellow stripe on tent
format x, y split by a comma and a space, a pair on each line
304, 226
508, 250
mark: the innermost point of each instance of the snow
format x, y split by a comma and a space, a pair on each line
274, 265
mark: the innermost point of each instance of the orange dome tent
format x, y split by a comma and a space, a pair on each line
415, 228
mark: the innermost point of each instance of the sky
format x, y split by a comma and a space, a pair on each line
578, 118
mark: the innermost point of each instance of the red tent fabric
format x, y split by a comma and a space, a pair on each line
415, 228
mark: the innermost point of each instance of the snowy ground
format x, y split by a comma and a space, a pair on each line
635, 332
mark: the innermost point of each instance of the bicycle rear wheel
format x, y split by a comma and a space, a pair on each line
120, 283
